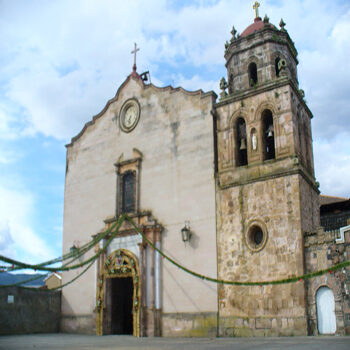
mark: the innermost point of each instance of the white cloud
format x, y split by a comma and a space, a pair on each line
62, 60
6, 241
333, 165
196, 83
327, 81
17, 237
8, 156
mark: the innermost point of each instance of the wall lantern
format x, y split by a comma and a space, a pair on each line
186, 232
73, 249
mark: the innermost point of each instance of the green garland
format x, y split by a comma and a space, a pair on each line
117, 224
42, 267
113, 231
237, 283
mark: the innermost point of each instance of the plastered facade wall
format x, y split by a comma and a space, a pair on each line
175, 137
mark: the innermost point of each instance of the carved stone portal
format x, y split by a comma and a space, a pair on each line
120, 264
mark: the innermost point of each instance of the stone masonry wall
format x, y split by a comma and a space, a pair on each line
32, 311
262, 48
270, 310
322, 252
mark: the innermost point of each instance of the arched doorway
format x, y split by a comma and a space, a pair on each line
326, 321
118, 295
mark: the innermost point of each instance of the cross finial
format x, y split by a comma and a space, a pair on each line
256, 8
134, 52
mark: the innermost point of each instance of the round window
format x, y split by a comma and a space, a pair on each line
256, 237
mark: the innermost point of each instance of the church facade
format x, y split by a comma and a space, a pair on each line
225, 187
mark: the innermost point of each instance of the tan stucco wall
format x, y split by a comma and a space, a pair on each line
175, 137
52, 282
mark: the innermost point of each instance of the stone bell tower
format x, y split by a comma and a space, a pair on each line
266, 193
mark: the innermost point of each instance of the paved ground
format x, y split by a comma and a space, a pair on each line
86, 342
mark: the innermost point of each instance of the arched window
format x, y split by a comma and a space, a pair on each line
128, 192
241, 142
253, 74
277, 70
230, 84
268, 135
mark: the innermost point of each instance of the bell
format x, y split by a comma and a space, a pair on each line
270, 131
243, 144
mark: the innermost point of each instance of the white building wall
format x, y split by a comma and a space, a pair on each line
175, 136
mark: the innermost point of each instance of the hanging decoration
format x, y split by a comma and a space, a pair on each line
111, 233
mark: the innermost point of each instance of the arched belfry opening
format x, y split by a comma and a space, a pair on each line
268, 135
277, 68
252, 74
241, 142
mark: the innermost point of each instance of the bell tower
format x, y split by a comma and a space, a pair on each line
266, 192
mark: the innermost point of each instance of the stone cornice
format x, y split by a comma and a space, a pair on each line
260, 39
261, 88
299, 170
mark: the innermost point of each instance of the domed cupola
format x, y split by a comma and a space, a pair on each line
256, 26
261, 55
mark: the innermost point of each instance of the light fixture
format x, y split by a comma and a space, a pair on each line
186, 232
73, 249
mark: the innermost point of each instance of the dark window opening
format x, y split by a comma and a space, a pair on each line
253, 74
128, 193
256, 237
230, 84
268, 135
276, 67
241, 142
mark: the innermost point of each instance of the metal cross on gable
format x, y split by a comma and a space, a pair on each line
134, 52
256, 8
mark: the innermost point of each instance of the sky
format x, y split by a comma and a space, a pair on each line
62, 60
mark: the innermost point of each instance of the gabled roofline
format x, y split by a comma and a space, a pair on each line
137, 77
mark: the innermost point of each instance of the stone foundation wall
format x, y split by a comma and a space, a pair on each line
202, 324
261, 326
82, 324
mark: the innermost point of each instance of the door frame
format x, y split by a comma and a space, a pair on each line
119, 264
318, 311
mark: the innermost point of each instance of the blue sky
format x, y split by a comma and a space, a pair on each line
60, 61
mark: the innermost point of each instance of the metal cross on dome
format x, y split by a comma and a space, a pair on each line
134, 52
256, 8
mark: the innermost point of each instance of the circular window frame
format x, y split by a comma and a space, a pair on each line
252, 228
126, 105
